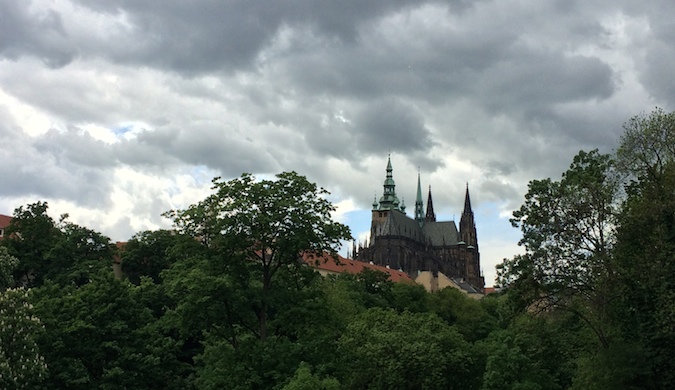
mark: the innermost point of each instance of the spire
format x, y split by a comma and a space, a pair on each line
418, 203
431, 215
389, 201
467, 224
467, 202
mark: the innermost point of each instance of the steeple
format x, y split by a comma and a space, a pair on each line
389, 201
431, 216
467, 202
418, 203
467, 225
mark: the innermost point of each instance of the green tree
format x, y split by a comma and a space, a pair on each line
646, 243
305, 380
568, 233
8, 264
382, 349
263, 226
99, 335
534, 353
59, 251
31, 235
148, 253
21, 364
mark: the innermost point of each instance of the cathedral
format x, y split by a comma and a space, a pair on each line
419, 244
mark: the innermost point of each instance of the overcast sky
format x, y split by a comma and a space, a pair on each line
115, 111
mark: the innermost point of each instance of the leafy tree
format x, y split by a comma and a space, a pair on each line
305, 380
568, 234
148, 253
59, 251
382, 349
263, 227
31, 235
99, 336
8, 264
646, 243
77, 255
534, 353
21, 364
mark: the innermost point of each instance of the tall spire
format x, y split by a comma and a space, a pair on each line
418, 203
467, 202
389, 201
467, 225
431, 215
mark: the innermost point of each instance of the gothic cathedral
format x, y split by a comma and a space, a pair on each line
422, 243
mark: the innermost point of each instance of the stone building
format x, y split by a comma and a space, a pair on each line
420, 244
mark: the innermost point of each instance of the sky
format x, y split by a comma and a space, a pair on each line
115, 111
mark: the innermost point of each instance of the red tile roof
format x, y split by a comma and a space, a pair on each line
4, 220
327, 263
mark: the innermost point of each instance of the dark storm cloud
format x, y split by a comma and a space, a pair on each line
40, 34
390, 125
204, 36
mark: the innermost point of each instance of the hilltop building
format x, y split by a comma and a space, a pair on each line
4, 223
421, 245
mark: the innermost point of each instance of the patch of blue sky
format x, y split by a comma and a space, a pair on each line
120, 131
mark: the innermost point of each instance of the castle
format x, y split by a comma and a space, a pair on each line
419, 244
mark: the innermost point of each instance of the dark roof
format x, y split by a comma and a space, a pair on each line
465, 286
399, 224
437, 233
441, 233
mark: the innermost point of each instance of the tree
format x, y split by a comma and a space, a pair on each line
101, 336
568, 233
264, 226
646, 242
59, 251
148, 253
382, 349
31, 235
8, 264
21, 364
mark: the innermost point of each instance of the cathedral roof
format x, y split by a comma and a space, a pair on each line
441, 233
399, 224
435, 233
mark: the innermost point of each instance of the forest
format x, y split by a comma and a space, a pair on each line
222, 301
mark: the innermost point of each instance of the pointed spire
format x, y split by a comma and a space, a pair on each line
467, 202
467, 224
431, 215
418, 203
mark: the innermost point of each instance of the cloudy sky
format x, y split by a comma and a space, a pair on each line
115, 111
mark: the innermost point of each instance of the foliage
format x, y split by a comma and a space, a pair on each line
568, 235
8, 264
100, 336
62, 252
260, 228
382, 349
21, 364
305, 380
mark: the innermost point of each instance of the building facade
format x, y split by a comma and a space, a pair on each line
420, 244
